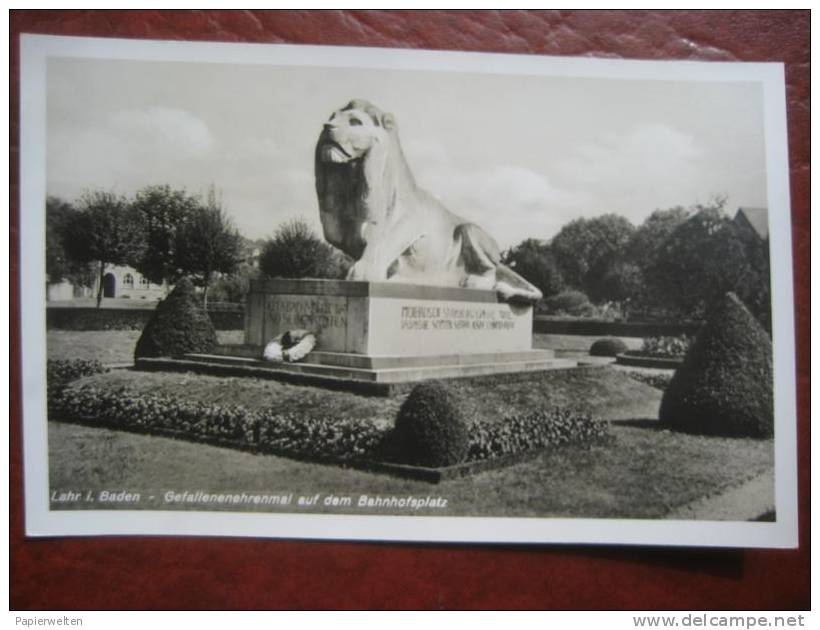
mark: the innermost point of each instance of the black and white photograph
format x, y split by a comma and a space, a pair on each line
371, 294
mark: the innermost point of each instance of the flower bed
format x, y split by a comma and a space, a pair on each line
520, 433
664, 347
61, 372
658, 352
343, 440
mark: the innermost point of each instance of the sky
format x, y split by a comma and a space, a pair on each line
519, 155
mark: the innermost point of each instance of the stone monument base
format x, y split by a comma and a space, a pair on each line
386, 369
381, 333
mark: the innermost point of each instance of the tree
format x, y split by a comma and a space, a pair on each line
702, 260
296, 252
163, 212
106, 231
207, 243
59, 265
584, 246
652, 233
233, 287
616, 280
533, 260
630, 276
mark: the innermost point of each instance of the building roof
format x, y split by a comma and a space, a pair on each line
756, 218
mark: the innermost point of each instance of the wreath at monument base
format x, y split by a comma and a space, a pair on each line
290, 346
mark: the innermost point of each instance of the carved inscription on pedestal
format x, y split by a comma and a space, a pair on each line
326, 316
468, 317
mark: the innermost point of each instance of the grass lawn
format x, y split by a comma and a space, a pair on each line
644, 474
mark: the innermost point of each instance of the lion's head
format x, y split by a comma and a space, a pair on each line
358, 159
352, 131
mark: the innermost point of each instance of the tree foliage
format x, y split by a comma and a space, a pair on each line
677, 263
164, 211
533, 260
703, 259
653, 233
59, 265
207, 244
104, 230
584, 248
296, 252
233, 287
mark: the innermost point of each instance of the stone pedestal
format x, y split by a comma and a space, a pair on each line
387, 319
383, 332
377, 337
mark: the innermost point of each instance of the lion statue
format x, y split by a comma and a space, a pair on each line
373, 210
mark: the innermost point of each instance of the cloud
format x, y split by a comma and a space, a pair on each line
654, 149
650, 163
510, 202
128, 149
182, 131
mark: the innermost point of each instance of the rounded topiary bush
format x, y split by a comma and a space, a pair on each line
609, 347
724, 386
569, 302
430, 427
178, 325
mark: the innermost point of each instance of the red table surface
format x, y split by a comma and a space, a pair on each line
217, 573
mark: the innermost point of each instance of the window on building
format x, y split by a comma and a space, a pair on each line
144, 283
128, 281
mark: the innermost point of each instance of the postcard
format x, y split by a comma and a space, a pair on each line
376, 294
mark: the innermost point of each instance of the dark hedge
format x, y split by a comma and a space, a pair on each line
178, 326
724, 386
430, 427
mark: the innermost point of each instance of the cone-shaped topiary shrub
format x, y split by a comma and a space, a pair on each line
179, 325
724, 386
430, 427
609, 347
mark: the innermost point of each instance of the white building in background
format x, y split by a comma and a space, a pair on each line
119, 281
127, 282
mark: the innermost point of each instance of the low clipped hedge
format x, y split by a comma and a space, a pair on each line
290, 434
665, 347
89, 318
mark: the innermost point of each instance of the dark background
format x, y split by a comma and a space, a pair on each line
226, 573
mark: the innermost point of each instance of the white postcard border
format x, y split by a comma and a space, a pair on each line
40, 521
